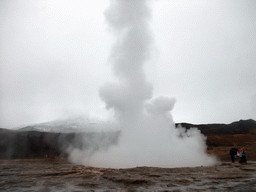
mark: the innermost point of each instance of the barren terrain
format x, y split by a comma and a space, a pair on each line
37, 161
40, 175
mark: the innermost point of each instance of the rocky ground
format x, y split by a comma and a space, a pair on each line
40, 175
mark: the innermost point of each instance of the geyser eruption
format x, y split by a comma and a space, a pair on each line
149, 136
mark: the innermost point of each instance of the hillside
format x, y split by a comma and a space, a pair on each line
237, 127
32, 143
37, 144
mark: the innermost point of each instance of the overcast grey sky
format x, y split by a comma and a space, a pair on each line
54, 57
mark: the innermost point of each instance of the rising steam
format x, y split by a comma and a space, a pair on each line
149, 137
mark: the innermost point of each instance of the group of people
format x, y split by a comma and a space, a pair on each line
240, 153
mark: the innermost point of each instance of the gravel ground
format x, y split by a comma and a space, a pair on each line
62, 176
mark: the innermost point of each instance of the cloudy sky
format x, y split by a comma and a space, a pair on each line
54, 57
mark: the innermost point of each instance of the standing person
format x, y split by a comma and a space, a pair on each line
233, 153
239, 154
243, 158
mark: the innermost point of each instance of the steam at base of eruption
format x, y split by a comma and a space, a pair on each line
156, 143
149, 136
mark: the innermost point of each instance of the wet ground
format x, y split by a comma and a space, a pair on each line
62, 176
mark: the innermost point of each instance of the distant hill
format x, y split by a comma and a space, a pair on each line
70, 125
15, 144
41, 141
237, 127
222, 137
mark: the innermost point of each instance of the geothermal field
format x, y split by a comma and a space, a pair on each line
53, 176
140, 148
33, 160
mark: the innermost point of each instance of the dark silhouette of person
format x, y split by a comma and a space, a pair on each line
233, 153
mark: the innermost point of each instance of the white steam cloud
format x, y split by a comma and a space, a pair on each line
149, 136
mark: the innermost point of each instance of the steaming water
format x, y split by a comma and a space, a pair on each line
149, 137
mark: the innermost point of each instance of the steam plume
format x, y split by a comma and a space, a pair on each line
149, 137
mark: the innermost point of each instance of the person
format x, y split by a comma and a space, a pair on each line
233, 153
239, 154
243, 158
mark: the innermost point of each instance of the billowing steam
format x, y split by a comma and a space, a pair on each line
149, 137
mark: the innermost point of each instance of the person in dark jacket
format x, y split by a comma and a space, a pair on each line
233, 153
